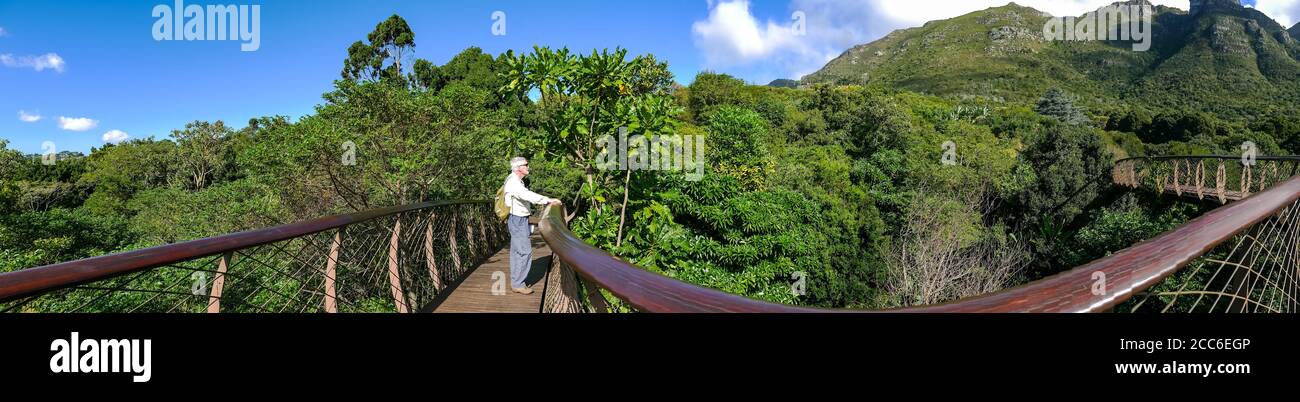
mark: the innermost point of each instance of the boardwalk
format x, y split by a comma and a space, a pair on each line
1205, 193
475, 294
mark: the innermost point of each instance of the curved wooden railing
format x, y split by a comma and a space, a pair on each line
1262, 223
642, 289
1212, 177
390, 259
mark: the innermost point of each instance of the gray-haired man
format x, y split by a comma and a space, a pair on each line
520, 201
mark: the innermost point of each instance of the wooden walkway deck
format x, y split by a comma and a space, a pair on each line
1206, 193
481, 292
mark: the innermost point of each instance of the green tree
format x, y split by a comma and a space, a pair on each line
377, 144
1071, 164
712, 90
382, 58
1060, 105
56, 235
118, 171
583, 100
738, 145
202, 152
1179, 126
9, 162
1286, 129
472, 67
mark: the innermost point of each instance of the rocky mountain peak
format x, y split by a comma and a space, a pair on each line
1202, 6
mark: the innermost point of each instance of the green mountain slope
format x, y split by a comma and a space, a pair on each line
1220, 57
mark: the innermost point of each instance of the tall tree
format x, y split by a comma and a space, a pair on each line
1060, 105
9, 162
391, 43
710, 91
202, 151
586, 98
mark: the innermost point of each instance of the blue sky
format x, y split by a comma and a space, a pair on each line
114, 72
96, 61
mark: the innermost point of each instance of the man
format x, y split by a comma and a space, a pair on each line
520, 201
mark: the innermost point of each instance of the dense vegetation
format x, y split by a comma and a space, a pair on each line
845, 187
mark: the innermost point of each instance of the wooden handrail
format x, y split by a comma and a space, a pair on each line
1133, 269
18, 284
644, 290
1128, 271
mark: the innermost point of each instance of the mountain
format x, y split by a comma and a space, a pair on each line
1295, 30
783, 83
1218, 57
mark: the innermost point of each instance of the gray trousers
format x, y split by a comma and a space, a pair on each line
521, 251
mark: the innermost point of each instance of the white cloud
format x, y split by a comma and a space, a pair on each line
28, 118
77, 123
733, 37
3, 32
1286, 12
733, 34
49, 61
115, 136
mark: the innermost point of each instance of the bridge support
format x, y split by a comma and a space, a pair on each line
1245, 181
218, 284
451, 238
561, 289
473, 246
394, 277
1200, 179
1178, 185
1221, 183
487, 240
430, 260
331, 300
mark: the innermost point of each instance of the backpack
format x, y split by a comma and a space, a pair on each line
502, 210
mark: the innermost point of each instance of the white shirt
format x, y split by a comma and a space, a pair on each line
519, 198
